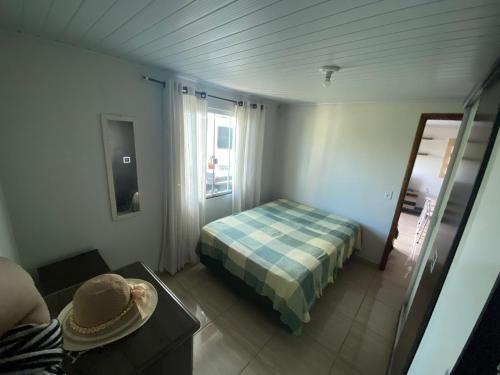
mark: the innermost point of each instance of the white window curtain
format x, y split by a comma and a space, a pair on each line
185, 122
249, 141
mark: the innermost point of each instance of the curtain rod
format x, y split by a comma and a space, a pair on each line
218, 97
163, 83
201, 93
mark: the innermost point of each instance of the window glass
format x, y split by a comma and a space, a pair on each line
224, 137
220, 153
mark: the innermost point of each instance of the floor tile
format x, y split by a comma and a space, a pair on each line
328, 327
169, 281
366, 350
342, 367
407, 226
164, 276
214, 296
387, 292
357, 272
379, 317
291, 355
397, 257
397, 274
193, 275
217, 352
351, 329
398, 271
249, 325
257, 367
343, 297
203, 314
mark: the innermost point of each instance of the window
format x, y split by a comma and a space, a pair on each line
220, 152
224, 137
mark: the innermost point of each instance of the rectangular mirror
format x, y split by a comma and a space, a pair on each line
121, 165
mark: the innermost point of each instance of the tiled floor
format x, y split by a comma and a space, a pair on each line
351, 329
407, 226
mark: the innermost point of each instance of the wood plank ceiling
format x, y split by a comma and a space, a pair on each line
388, 49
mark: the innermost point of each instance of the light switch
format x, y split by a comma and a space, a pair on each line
126, 160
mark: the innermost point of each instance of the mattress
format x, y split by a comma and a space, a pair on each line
286, 251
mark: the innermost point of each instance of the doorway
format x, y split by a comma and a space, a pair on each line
429, 157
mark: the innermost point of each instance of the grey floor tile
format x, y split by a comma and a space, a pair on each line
249, 325
329, 328
193, 275
379, 317
217, 352
387, 292
214, 296
366, 350
342, 367
291, 355
343, 297
350, 332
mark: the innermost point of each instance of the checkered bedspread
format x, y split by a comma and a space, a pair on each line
286, 251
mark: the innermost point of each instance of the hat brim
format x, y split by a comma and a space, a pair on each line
75, 342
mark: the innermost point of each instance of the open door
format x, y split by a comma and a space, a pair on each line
419, 136
478, 144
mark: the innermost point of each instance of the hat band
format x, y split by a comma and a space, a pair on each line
91, 330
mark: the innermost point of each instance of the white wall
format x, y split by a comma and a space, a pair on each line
52, 165
425, 175
217, 207
268, 155
7, 243
468, 283
344, 157
52, 159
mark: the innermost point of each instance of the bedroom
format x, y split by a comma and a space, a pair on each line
341, 149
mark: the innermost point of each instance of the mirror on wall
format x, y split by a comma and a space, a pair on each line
121, 164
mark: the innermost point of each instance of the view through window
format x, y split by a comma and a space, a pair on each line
220, 153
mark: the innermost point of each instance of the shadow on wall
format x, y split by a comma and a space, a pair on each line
344, 158
7, 243
320, 145
324, 166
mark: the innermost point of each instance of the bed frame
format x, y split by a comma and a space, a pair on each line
240, 287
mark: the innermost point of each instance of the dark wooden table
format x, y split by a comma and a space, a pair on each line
164, 345
70, 271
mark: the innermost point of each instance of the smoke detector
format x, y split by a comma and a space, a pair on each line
328, 71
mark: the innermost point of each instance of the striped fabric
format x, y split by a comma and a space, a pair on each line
286, 251
32, 349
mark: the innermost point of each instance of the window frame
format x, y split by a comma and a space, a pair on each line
222, 112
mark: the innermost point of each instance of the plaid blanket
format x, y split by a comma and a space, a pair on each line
286, 251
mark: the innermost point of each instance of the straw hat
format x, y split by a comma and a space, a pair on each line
104, 309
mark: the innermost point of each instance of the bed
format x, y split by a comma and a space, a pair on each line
285, 251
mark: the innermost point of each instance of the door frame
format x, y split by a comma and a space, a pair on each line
424, 117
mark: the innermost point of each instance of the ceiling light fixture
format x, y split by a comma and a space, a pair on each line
328, 70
